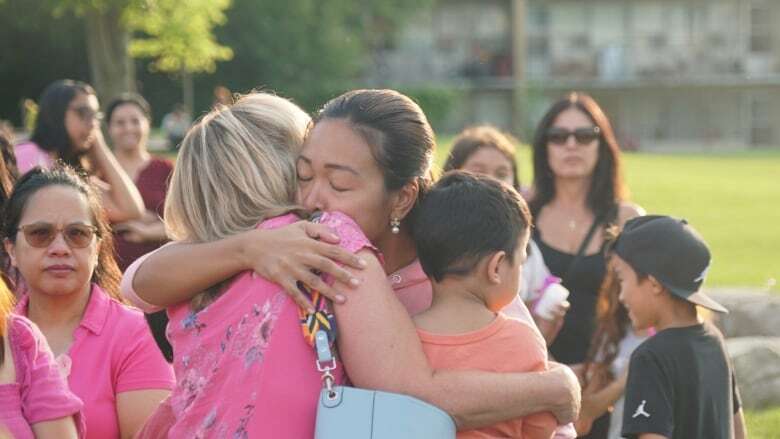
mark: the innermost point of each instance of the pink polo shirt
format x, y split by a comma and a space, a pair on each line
29, 155
113, 351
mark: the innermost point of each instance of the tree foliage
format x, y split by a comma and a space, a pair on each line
179, 38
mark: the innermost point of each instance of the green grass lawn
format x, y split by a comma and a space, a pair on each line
733, 199
763, 424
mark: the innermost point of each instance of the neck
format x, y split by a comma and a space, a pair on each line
398, 250
677, 315
140, 154
457, 307
572, 193
48, 311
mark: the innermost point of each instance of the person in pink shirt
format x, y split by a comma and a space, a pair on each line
343, 166
67, 129
59, 244
34, 398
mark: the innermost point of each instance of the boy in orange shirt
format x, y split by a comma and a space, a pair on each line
471, 234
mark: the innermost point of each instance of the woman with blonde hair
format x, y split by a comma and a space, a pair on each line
238, 344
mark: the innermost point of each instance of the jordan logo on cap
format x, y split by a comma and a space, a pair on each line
641, 410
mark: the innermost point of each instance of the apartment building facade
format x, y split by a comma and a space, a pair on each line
671, 74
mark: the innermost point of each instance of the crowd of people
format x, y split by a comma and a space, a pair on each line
146, 299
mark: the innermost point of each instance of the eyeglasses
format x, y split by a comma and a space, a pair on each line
86, 113
41, 235
583, 136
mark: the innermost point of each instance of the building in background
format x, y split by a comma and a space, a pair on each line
670, 73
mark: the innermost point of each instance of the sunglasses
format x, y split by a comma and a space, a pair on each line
583, 136
86, 113
41, 235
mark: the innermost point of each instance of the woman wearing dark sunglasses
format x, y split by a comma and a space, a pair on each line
60, 246
68, 129
579, 198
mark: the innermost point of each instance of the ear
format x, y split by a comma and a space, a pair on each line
405, 199
655, 287
493, 267
10, 247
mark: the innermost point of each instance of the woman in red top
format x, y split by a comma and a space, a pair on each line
128, 119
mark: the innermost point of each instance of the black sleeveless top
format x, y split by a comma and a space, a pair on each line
583, 283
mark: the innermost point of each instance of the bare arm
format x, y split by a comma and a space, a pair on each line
740, 429
134, 407
651, 436
380, 350
55, 429
179, 271
142, 230
120, 197
595, 403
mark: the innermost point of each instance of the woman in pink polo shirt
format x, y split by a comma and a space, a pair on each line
343, 165
59, 243
67, 129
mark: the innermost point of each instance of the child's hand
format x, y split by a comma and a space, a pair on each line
551, 328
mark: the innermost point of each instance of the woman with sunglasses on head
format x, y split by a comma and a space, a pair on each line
579, 199
67, 129
59, 244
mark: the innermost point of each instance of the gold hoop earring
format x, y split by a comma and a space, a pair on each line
395, 226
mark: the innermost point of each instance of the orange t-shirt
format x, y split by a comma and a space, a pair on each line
506, 345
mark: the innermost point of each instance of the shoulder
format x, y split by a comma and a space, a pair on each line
125, 317
160, 162
351, 235
628, 210
23, 331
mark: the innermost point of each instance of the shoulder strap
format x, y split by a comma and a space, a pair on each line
583, 246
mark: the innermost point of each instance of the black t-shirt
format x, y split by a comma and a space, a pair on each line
680, 385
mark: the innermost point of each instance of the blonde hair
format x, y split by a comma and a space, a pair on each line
236, 168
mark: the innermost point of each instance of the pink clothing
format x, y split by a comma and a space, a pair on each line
40, 393
243, 367
29, 155
412, 288
112, 352
505, 345
410, 284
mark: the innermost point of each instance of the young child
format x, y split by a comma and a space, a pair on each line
680, 383
472, 233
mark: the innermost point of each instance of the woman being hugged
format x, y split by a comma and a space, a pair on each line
67, 129
368, 155
60, 245
579, 200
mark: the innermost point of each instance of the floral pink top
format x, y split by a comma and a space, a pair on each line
242, 366
40, 393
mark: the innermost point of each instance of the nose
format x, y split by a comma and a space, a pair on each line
571, 141
59, 247
312, 196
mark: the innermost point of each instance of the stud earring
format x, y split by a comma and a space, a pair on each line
395, 226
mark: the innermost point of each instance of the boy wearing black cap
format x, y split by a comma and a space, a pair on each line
680, 383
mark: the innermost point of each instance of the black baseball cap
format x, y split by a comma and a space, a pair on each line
671, 251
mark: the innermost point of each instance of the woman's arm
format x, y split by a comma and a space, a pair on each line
286, 255
380, 349
740, 430
134, 408
120, 197
142, 231
596, 400
56, 429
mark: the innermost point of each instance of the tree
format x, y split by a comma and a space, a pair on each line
180, 40
110, 25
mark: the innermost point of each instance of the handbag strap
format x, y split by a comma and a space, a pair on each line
319, 331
